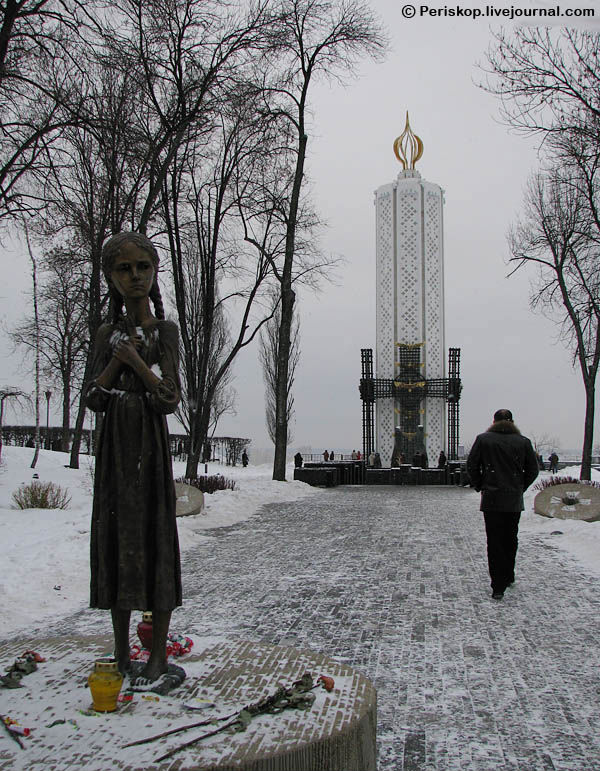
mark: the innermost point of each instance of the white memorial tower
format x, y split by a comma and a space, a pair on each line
410, 345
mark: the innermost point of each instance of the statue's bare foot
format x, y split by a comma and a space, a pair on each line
123, 660
153, 670
156, 678
124, 665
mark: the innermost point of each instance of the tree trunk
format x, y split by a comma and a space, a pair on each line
198, 436
78, 430
1, 424
281, 392
285, 329
37, 353
94, 321
66, 418
588, 433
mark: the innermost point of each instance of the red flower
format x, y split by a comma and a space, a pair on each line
327, 682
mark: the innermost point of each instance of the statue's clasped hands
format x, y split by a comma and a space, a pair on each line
127, 350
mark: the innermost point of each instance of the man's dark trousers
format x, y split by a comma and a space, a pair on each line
502, 529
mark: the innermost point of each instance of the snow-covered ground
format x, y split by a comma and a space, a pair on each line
44, 554
580, 539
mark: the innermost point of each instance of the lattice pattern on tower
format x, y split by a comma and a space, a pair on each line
434, 281
409, 278
385, 281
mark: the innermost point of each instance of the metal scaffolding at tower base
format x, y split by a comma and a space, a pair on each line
408, 389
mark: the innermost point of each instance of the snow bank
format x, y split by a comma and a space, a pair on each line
580, 539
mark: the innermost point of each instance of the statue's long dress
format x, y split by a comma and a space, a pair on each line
134, 545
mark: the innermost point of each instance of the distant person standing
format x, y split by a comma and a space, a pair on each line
326, 456
371, 460
354, 455
331, 455
245, 459
377, 460
442, 460
502, 464
298, 459
553, 462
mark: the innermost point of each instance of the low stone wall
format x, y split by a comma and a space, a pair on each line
342, 473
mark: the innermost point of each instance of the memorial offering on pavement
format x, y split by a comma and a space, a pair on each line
568, 498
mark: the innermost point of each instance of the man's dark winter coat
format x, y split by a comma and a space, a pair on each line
502, 464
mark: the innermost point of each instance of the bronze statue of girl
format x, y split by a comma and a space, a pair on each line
135, 383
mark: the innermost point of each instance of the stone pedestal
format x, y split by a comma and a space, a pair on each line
336, 734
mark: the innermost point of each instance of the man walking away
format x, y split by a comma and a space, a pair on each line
502, 464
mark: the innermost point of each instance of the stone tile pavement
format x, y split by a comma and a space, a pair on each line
393, 581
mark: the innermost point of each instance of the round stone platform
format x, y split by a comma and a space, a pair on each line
190, 500
336, 734
570, 500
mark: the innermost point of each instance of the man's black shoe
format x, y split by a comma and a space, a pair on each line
497, 595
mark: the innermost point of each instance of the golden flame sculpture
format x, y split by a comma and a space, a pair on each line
408, 147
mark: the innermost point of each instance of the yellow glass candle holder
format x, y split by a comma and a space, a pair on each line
105, 684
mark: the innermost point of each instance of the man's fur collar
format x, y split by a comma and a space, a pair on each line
504, 427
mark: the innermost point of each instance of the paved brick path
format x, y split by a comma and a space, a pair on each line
393, 581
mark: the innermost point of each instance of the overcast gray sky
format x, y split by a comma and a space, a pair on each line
510, 357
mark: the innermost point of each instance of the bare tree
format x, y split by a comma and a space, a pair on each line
218, 282
6, 393
223, 403
269, 356
543, 442
183, 50
548, 82
95, 187
63, 332
36, 323
547, 79
38, 68
223, 395
553, 234
315, 38
157, 67
234, 447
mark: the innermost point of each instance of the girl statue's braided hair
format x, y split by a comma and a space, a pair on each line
110, 251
